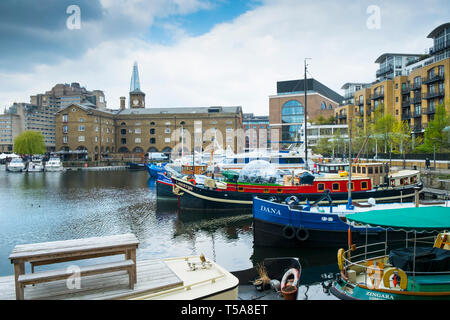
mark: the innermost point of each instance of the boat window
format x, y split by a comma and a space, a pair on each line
335, 186
266, 190
240, 188
381, 169
320, 186
363, 169
370, 170
359, 169
413, 179
364, 185
279, 190
376, 169
354, 169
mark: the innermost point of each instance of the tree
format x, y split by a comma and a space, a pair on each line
401, 139
29, 142
435, 137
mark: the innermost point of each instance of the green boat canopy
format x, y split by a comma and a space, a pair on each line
420, 219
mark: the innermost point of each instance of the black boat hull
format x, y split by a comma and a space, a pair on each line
200, 199
164, 190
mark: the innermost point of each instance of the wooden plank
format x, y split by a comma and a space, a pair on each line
64, 273
153, 275
76, 245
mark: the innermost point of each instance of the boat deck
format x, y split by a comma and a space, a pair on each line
152, 276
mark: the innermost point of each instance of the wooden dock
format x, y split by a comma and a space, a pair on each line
152, 276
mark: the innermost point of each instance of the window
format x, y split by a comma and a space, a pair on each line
137, 130
167, 130
81, 120
364, 185
80, 138
65, 129
152, 123
123, 141
96, 139
65, 139
152, 140
320, 186
292, 114
137, 140
370, 170
96, 129
122, 131
65, 117
166, 140
152, 131
336, 187
323, 106
80, 128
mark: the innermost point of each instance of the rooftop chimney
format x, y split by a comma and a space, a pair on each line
122, 103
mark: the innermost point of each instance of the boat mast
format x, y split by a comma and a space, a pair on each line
349, 186
305, 88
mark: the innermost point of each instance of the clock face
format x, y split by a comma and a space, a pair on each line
135, 102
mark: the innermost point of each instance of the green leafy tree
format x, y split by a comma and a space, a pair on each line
401, 139
29, 142
435, 137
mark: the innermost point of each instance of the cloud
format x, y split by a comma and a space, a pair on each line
237, 62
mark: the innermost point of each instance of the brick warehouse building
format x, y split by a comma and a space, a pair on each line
86, 130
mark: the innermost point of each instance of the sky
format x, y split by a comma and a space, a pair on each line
201, 53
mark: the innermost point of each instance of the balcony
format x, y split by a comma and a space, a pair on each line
416, 86
342, 116
417, 128
432, 95
406, 115
416, 99
429, 110
433, 78
406, 90
417, 113
360, 103
385, 70
406, 103
441, 46
378, 95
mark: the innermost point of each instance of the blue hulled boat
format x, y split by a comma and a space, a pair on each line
164, 186
153, 169
286, 223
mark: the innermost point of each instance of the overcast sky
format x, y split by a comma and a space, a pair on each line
204, 52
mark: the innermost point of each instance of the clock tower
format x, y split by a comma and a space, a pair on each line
137, 97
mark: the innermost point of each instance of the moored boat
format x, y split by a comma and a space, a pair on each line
15, 165
199, 277
36, 164
237, 196
419, 270
54, 164
285, 223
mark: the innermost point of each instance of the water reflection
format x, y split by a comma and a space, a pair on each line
50, 206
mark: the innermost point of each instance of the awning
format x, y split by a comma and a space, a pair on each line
421, 219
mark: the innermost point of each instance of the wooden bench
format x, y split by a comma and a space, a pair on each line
69, 250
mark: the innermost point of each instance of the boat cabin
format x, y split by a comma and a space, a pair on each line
332, 167
195, 169
376, 170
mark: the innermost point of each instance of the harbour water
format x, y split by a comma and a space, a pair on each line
50, 206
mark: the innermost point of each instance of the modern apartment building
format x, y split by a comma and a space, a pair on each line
408, 86
10, 128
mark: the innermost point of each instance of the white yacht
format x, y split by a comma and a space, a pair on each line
16, 165
36, 164
54, 164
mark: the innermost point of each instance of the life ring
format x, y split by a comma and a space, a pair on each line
298, 234
291, 272
288, 232
341, 259
387, 277
192, 181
